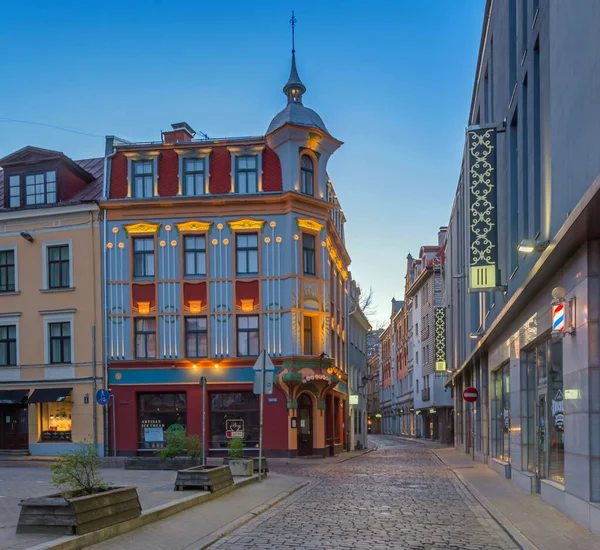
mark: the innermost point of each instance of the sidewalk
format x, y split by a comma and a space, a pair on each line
529, 520
202, 525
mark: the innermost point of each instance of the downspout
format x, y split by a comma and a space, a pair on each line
106, 179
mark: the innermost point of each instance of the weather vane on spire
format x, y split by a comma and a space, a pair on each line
293, 23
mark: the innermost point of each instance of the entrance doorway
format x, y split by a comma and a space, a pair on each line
305, 432
14, 433
540, 440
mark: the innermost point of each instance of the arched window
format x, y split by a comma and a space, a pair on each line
307, 176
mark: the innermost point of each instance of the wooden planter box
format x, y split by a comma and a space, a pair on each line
157, 463
265, 465
55, 514
242, 467
207, 478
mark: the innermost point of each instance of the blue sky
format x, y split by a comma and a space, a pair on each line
392, 80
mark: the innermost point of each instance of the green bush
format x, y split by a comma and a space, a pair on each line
76, 472
235, 447
180, 444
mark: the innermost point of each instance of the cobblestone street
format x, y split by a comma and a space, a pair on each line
398, 496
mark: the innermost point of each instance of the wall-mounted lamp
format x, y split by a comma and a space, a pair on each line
194, 366
195, 306
247, 305
216, 365
144, 308
475, 335
527, 247
27, 236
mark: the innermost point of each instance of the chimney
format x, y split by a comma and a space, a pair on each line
181, 132
442, 236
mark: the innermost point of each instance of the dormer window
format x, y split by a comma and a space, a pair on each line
246, 175
40, 188
307, 176
143, 179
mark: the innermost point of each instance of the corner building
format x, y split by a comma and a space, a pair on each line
213, 251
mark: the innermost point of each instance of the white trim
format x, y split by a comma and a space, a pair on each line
255, 150
15, 249
54, 210
61, 318
4, 321
45, 246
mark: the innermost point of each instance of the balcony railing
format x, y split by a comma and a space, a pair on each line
425, 394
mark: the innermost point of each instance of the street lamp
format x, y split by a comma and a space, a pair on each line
527, 246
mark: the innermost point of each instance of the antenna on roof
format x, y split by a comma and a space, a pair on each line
293, 23
204, 136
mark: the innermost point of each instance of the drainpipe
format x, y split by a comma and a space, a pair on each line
106, 179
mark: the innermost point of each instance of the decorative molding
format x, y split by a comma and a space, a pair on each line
307, 223
142, 155
246, 223
193, 225
483, 241
440, 339
141, 227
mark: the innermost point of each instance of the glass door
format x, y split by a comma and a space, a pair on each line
541, 466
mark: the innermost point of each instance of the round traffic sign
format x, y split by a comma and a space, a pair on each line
102, 397
470, 395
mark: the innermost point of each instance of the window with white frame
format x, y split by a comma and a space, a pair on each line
142, 169
57, 268
40, 188
193, 177
58, 339
8, 269
246, 174
9, 342
14, 186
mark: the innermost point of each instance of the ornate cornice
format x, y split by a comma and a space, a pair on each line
142, 227
246, 223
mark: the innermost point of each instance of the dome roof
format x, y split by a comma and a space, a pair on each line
296, 113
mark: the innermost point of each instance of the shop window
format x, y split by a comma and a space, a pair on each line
55, 420
159, 414
239, 410
528, 383
501, 413
556, 414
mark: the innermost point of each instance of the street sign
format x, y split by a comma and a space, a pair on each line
259, 362
353, 399
268, 382
470, 395
102, 397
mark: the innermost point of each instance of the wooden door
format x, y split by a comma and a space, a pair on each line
14, 433
305, 431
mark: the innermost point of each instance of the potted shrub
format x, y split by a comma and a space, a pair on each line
85, 502
239, 465
181, 451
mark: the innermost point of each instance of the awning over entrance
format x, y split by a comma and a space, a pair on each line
12, 397
49, 395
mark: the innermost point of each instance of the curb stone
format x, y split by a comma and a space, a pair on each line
519, 538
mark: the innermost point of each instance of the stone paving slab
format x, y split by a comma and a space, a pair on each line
18, 483
542, 525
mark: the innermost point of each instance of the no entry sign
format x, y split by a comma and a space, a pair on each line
470, 395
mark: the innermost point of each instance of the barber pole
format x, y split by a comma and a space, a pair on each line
558, 318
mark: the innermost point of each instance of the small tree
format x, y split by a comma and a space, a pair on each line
235, 447
77, 472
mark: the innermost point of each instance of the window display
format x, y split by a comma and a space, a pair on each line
55, 421
230, 407
159, 414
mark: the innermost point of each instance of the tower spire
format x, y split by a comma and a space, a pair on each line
294, 89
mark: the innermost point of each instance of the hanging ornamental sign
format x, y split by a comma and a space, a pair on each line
483, 209
440, 339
